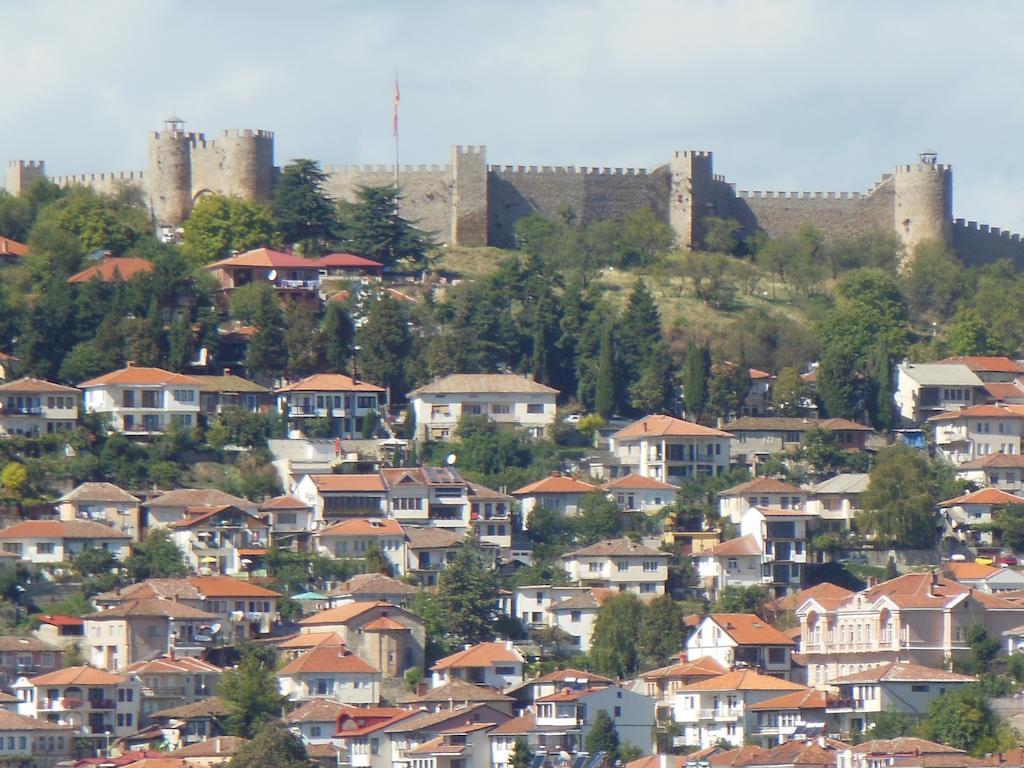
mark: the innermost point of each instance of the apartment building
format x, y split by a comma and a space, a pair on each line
977, 431
759, 492
138, 630
31, 406
620, 564
668, 449
103, 503
742, 640
347, 402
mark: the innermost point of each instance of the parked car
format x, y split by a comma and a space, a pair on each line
1006, 558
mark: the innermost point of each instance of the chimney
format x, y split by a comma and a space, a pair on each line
227, 371
508, 644
129, 363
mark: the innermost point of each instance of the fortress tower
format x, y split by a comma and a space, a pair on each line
21, 174
690, 195
169, 178
469, 195
923, 207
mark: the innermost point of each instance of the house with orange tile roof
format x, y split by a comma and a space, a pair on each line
984, 578
967, 517
636, 493
105, 503
335, 497
351, 538
59, 630
172, 506
140, 401
494, 664
755, 438
11, 251
346, 401
59, 541
371, 587
989, 368
389, 638
332, 672
91, 701
912, 752
732, 563
221, 539
171, 680
457, 692
742, 640
920, 618
718, 708
571, 713
895, 686
557, 492
31, 406
977, 431
621, 564
509, 399
837, 500
667, 449
295, 279
291, 522
430, 550
780, 719
490, 516
759, 492
35, 742
661, 684
1004, 471
137, 630
112, 269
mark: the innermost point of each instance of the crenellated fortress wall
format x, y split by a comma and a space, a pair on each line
470, 202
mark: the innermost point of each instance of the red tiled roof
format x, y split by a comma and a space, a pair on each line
327, 659
989, 363
330, 382
616, 548
1004, 390
31, 385
825, 594
556, 484
970, 571
384, 624
61, 529
808, 699
479, 655
986, 496
136, 375
285, 502
345, 613
10, 247
666, 426
918, 590
744, 546
170, 609
640, 482
981, 411
310, 640
749, 629
265, 257
78, 676
571, 674
363, 527
705, 666
898, 671
348, 483
57, 620
226, 586
345, 260
995, 461
762, 485
110, 268
744, 680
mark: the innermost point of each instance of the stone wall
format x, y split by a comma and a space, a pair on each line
981, 244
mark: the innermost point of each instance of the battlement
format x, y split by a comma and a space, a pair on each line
247, 133
919, 167
91, 179
37, 165
192, 137
562, 170
985, 229
471, 149
691, 153
759, 195
402, 169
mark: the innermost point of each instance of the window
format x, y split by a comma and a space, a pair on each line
472, 408
314, 732
732, 565
622, 565
575, 615
594, 567
535, 407
648, 588
920, 688
286, 518
504, 670
44, 548
618, 712
501, 408
650, 566
776, 655
185, 395
367, 402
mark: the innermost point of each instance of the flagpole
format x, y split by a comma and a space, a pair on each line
395, 129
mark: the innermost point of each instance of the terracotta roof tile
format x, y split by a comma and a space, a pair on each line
428, 537
61, 529
33, 386
363, 527
903, 745
994, 461
384, 624
10, 721
165, 665
824, 591
705, 666
763, 485
213, 706
616, 548
744, 546
345, 613
285, 502
10, 247
808, 699
897, 671
457, 690
749, 629
986, 496
482, 383
345, 261
980, 412
216, 746
330, 382
99, 492
571, 675
112, 268
479, 655
229, 383
744, 680
226, 586
970, 571
196, 497
305, 640
666, 426
556, 484
639, 482
265, 257
10, 643
348, 483
327, 659
141, 376
318, 711
518, 725
372, 584
987, 364
157, 607
78, 676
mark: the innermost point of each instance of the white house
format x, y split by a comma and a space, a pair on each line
985, 578
573, 712
490, 514
733, 563
143, 401
47, 743
668, 449
636, 493
34, 407
619, 564
343, 399
742, 639
783, 536
333, 497
995, 470
717, 709
349, 539
837, 501
332, 672
495, 664
172, 506
291, 522
968, 516
436, 496
556, 492
506, 398
977, 431
59, 541
103, 503
222, 539
927, 389
759, 492
571, 609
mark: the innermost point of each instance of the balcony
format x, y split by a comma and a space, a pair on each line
308, 285
721, 714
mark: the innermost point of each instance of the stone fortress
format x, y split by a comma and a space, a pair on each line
468, 202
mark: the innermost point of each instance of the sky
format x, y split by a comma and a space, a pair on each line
793, 96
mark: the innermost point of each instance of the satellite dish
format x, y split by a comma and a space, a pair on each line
215, 628
450, 459
272, 275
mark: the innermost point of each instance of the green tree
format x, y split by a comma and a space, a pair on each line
1008, 525
661, 631
220, 225
301, 341
720, 234
374, 560
644, 238
306, 215
385, 343
266, 354
179, 345
933, 282
337, 337
93, 561
790, 392
734, 599
894, 725
14, 479
614, 647
273, 746
900, 499
603, 737
963, 719
604, 397
891, 571
467, 591
251, 694
378, 232
598, 518
142, 341
696, 370
522, 757
984, 650
881, 408
156, 557
969, 335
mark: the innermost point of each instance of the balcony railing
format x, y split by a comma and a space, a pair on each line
721, 713
310, 285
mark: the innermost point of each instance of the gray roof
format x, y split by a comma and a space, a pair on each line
854, 482
99, 492
941, 374
483, 383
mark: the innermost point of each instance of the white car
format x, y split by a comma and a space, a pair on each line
572, 418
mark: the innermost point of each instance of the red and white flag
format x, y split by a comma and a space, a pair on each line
394, 130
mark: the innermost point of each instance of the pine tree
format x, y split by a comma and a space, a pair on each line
522, 757
266, 354
301, 341
304, 211
179, 345
384, 345
695, 379
604, 394
603, 737
378, 232
882, 416
337, 337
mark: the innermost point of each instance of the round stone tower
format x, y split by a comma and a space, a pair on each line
923, 202
169, 178
248, 164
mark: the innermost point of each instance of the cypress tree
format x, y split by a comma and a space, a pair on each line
695, 379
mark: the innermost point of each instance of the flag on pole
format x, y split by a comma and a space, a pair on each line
394, 130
